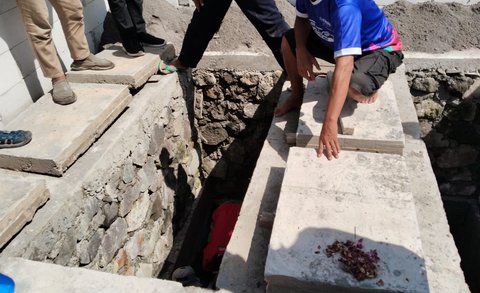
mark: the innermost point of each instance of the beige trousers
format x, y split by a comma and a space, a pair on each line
36, 20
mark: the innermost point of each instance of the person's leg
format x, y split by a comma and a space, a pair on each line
70, 13
204, 24
126, 27
35, 18
135, 9
315, 48
269, 22
121, 15
296, 81
370, 72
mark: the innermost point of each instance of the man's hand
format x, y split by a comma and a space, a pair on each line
328, 141
305, 63
198, 4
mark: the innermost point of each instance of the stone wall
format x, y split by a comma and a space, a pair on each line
128, 213
233, 110
448, 109
117, 209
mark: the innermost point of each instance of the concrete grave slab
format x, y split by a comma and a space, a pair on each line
58, 140
37, 277
131, 71
361, 195
374, 127
244, 260
20, 199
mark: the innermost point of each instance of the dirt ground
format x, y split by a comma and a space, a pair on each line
427, 27
436, 27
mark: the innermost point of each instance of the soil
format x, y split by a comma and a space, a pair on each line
235, 34
435, 27
426, 27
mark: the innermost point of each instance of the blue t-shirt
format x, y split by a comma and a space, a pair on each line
350, 27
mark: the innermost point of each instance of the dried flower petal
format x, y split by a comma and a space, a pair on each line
355, 261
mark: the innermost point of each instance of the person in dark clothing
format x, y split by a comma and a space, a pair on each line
131, 25
207, 18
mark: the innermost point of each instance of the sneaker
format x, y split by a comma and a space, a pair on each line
148, 40
133, 48
13, 139
92, 62
62, 93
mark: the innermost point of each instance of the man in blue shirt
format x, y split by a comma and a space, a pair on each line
353, 34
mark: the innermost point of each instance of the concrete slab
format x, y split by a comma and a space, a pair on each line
377, 127
20, 199
243, 264
371, 201
58, 140
131, 71
441, 255
37, 277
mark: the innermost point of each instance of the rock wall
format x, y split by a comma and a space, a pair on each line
128, 213
233, 110
447, 103
118, 208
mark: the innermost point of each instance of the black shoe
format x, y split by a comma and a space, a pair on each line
148, 40
132, 47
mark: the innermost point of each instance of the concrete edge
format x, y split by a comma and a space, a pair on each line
117, 109
40, 195
468, 60
36, 277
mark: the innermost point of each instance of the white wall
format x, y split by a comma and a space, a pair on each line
21, 79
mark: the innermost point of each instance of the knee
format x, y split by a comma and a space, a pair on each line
362, 83
40, 35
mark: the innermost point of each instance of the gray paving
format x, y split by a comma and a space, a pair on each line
372, 127
62, 133
20, 199
131, 71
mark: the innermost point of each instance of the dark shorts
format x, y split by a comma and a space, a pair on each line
370, 70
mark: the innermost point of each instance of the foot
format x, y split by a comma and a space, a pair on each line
62, 92
92, 62
165, 69
173, 67
294, 101
13, 139
364, 99
147, 39
132, 47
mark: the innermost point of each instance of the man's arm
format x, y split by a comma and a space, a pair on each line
305, 60
338, 93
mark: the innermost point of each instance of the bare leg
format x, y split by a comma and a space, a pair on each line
296, 96
357, 96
